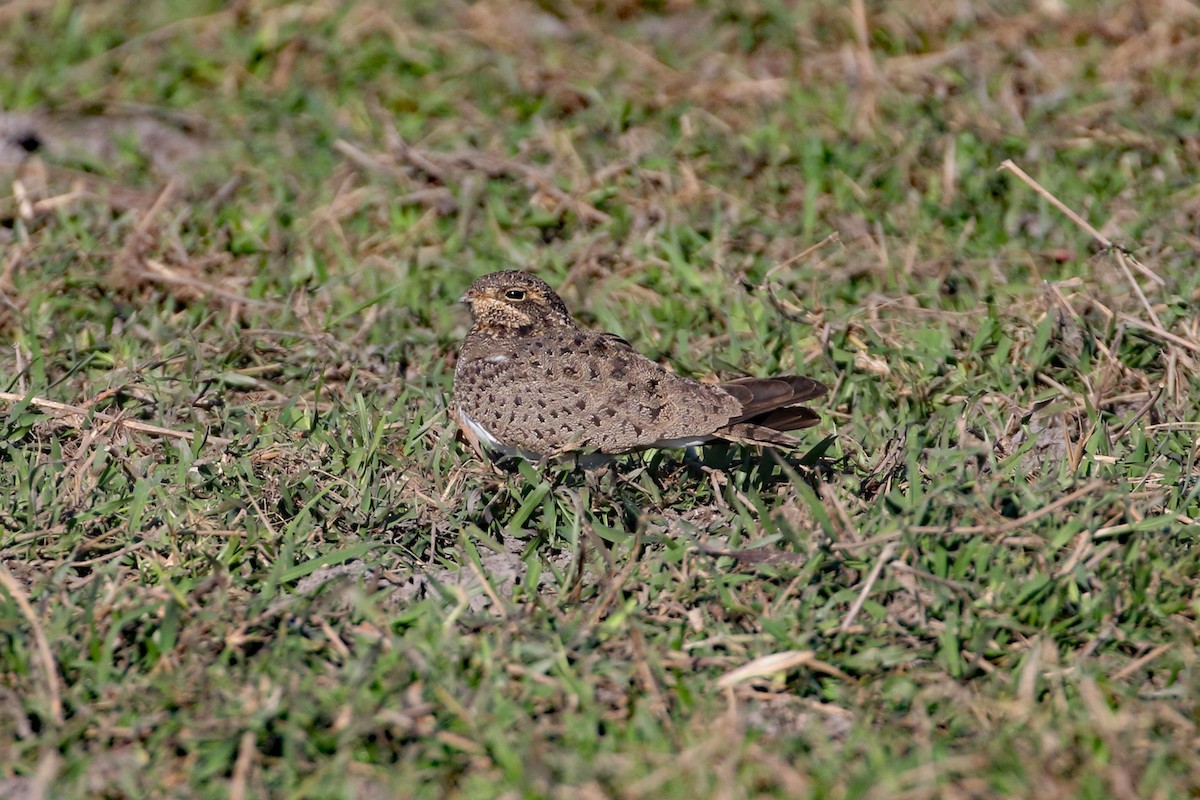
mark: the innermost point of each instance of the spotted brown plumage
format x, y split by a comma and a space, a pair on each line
531, 382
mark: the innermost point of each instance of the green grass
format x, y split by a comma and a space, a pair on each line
983, 560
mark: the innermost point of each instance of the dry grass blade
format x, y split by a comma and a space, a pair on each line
1020, 522
45, 655
1141, 412
241, 769
158, 272
1012, 167
866, 110
1140, 662
128, 424
1104, 241
884, 557
775, 663
1157, 330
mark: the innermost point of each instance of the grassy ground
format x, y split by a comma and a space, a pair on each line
246, 230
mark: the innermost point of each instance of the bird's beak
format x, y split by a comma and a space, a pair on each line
468, 296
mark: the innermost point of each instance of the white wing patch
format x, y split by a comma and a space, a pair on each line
491, 442
681, 443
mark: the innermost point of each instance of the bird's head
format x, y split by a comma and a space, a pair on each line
513, 303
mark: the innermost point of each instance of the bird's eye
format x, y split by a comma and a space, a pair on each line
515, 294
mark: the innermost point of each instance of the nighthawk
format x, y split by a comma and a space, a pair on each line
531, 382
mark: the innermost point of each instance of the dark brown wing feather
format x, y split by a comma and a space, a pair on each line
759, 394
765, 399
787, 419
747, 433
771, 406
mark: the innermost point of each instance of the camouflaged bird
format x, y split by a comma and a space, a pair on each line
530, 382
